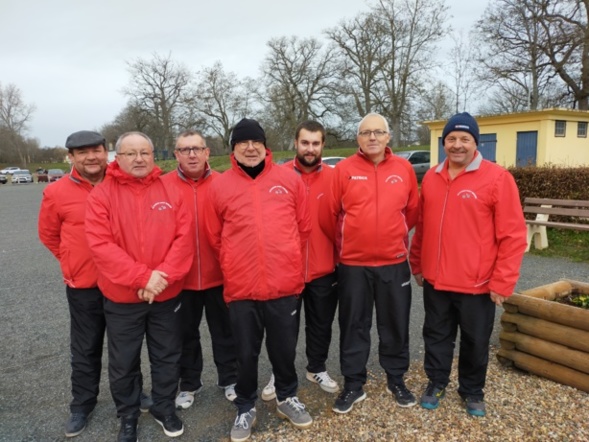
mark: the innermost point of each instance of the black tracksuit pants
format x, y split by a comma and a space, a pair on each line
279, 319
127, 324
444, 313
388, 288
87, 326
217, 316
320, 303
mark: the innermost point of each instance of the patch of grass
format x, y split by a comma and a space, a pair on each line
571, 244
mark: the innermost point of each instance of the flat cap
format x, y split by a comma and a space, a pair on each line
84, 138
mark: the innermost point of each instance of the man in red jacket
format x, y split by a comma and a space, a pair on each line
258, 222
468, 246
203, 287
320, 294
61, 230
373, 204
142, 240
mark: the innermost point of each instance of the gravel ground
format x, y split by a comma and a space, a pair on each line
34, 369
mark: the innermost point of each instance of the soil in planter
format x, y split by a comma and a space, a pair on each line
576, 298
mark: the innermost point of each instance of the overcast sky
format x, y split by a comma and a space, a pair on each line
68, 57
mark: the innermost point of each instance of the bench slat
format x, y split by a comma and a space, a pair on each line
584, 227
555, 202
558, 211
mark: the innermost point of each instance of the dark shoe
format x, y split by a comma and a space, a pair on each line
128, 430
430, 398
346, 400
171, 424
146, 402
75, 424
475, 406
402, 395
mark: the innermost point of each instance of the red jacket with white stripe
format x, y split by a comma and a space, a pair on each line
471, 233
135, 226
205, 271
374, 207
319, 252
258, 227
61, 229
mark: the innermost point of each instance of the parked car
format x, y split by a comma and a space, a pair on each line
419, 159
3, 179
21, 176
332, 161
54, 174
9, 170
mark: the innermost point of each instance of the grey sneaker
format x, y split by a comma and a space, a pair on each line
475, 406
269, 391
75, 424
242, 427
430, 399
295, 412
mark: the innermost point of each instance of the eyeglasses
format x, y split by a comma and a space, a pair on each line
132, 155
377, 133
246, 144
188, 150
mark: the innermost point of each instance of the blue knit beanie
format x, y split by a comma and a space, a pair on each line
463, 122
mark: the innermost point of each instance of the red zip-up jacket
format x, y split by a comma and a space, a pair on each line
205, 271
135, 226
259, 227
471, 233
374, 207
61, 229
319, 253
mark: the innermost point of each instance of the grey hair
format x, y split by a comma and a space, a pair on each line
374, 114
127, 134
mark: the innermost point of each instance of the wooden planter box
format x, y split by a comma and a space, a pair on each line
547, 338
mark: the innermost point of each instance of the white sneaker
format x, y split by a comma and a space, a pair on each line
269, 391
186, 398
324, 381
230, 392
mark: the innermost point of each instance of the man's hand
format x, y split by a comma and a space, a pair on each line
419, 279
157, 282
146, 295
498, 299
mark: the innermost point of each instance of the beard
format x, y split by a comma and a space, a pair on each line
308, 163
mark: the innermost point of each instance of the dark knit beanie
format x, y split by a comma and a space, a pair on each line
246, 130
463, 122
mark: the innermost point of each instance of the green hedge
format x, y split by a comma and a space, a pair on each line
552, 182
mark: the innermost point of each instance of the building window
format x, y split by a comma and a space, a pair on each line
582, 129
560, 128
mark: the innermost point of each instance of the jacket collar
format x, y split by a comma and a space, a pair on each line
474, 165
115, 172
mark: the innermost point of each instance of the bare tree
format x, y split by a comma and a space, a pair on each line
15, 115
510, 37
299, 82
566, 43
222, 100
160, 87
462, 70
131, 118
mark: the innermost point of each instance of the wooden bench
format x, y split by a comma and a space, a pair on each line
544, 207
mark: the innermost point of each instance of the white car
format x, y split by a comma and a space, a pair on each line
332, 161
21, 176
9, 170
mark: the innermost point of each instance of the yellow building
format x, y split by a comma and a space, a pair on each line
548, 136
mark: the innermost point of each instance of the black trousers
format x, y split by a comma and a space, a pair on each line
444, 313
87, 326
320, 303
127, 324
360, 289
217, 316
249, 320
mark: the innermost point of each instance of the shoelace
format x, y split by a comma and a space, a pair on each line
293, 402
241, 420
